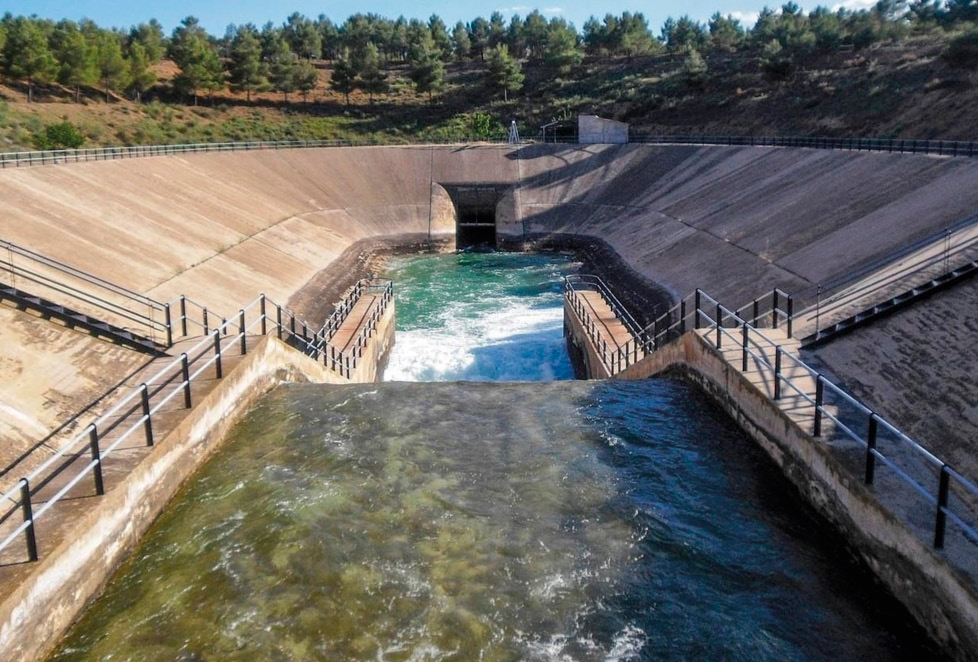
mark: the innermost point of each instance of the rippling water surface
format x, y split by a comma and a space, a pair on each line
479, 316
477, 521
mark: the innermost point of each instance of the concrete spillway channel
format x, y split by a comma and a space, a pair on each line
656, 221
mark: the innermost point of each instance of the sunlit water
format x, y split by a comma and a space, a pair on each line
476, 521
479, 316
545, 521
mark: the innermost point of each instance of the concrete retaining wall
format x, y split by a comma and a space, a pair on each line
943, 601
580, 346
33, 617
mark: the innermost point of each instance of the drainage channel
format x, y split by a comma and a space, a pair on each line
556, 520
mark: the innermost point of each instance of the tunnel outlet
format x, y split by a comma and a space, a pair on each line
476, 207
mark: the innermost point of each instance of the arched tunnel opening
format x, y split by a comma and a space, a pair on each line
475, 213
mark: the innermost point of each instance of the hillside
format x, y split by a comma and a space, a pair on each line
887, 90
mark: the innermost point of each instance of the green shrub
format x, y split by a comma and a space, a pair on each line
775, 60
962, 51
63, 135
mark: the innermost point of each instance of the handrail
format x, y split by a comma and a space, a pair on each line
898, 145
73, 286
590, 281
692, 314
906, 146
58, 156
848, 288
876, 425
139, 399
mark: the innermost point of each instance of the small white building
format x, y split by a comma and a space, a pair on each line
592, 129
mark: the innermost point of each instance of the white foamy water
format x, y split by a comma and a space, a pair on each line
501, 322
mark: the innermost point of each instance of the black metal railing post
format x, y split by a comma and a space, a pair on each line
696, 314
774, 309
943, 491
97, 459
682, 317
870, 447
261, 308
148, 423
169, 324
207, 328
185, 369
28, 511
756, 311
819, 394
791, 314
219, 370
746, 330
278, 320
241, 325
719, 327
777, 372
183, 316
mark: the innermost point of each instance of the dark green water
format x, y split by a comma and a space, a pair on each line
477, 521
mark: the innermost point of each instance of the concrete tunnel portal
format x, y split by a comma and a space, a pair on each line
476, 212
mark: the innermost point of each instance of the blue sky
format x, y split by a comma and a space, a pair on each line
215, 16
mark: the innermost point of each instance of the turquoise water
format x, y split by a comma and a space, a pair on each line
479, 316
557, 520
474, 521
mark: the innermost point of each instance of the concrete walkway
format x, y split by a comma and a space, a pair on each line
611, 334
345, 337
54, 525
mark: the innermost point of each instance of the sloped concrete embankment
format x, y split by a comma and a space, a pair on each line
38, 612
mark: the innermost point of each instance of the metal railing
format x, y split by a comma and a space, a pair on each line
774, 310
58, 156
615, 356
905, 146
898, 145
950, 494
68, 286
134, 413
941, 252
953, 497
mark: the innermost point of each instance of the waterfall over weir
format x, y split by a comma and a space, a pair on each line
562, 520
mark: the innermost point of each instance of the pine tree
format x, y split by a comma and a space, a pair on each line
281, 68
75, 57
246, 70
503, 72
694, 69
426, 69
344, 78
27, 55
480, 37
561, 49
372, 79
306, 77
303, 37
439, 35
150, 37
200, 68
460, 38
141, 77
111, 65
